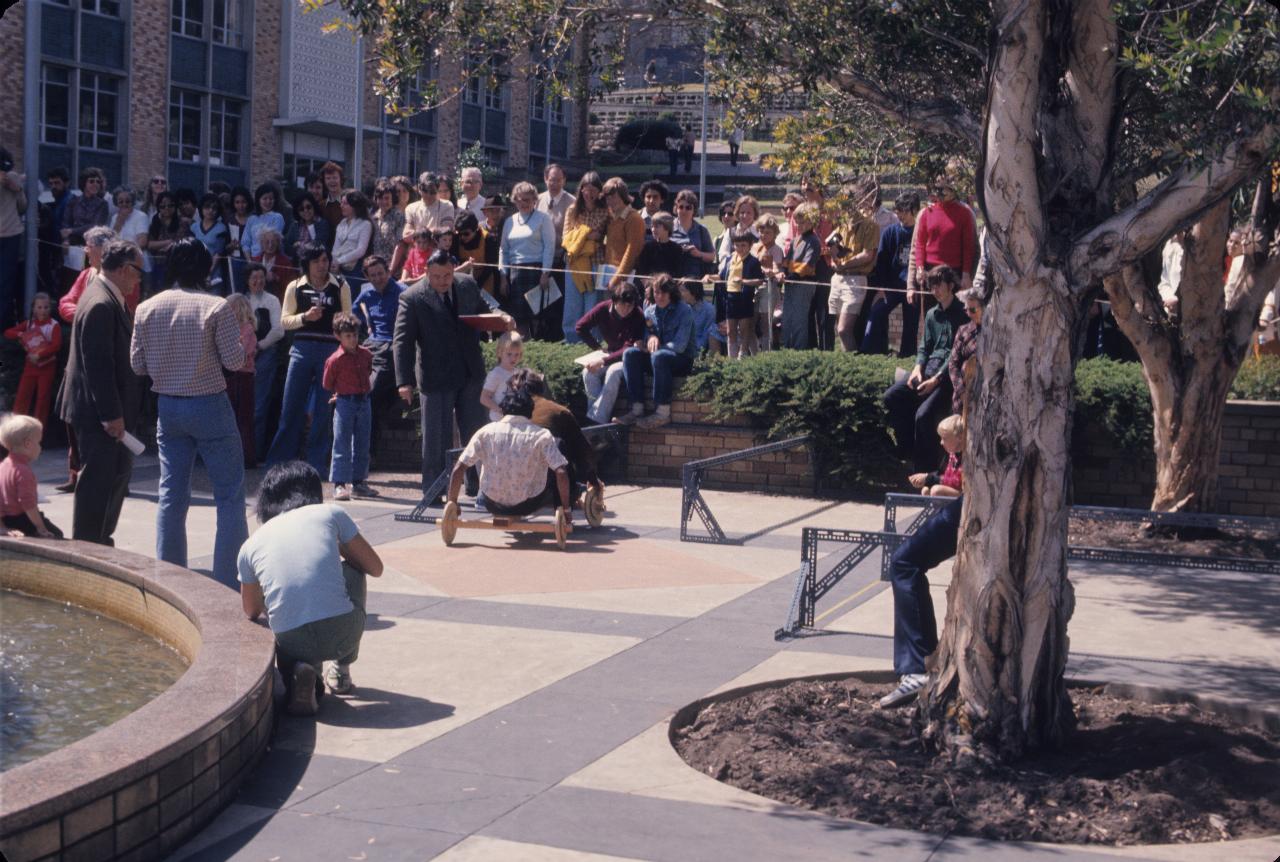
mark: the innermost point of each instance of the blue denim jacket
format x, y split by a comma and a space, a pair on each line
674, 327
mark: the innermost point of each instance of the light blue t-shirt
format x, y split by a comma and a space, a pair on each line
294, 558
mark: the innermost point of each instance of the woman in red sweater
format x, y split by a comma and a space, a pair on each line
946, 234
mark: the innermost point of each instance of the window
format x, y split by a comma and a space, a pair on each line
188, 18
471, 92
99, 96
224, 132
228, 22
419, 149
102, 7
55, 120
185, 110
493, 97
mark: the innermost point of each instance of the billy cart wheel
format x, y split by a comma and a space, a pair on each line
562, 528
593, 505
449, 523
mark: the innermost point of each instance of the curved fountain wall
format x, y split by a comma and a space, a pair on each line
143, 785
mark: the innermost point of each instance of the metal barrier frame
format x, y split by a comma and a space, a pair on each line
810, 588
692, 501
617, 435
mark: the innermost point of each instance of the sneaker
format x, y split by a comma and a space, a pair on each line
302, 700
909, 686
362, 489
629, 418
654, 420
338, 678
340, 492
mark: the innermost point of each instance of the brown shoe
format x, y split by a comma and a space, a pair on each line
67, 487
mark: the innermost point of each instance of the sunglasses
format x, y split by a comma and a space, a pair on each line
167, 206
972, 310
306, 208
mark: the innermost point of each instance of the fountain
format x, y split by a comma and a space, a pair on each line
165, 737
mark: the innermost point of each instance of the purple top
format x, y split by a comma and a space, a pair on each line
619, 332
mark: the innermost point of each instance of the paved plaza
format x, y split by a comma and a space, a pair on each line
513, 700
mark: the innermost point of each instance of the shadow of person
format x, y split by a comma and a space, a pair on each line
375, 708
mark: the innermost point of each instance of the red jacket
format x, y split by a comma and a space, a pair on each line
946, 234
41, 349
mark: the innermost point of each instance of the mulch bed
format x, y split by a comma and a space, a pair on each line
1132, 773
1248, 544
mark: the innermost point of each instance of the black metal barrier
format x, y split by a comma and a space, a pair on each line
692, 501
616, 435
810, 587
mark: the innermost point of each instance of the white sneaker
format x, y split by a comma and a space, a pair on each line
337, 678
341, 492
908, 688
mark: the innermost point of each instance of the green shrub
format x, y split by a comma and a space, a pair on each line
834, 397
646, 135
1258, 380
1113, 397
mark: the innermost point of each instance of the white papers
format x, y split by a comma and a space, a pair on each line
604, 275
74, 258
590, 358
133, 444
540, 300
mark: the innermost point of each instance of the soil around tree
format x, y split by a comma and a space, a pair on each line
1132, 773
1250, 544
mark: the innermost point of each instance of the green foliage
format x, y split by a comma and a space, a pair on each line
474, 157
554, 361
1258, 380
1113, 397
646, 135
835, 397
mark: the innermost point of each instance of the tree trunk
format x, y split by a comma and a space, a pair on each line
1190, 360
999, 668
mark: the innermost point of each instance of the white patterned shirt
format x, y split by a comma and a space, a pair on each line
514, 457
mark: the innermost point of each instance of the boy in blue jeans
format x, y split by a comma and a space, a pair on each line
346, 374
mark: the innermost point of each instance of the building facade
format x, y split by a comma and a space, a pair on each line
240, 92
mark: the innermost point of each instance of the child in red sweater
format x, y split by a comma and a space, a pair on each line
347, 374
951, 481
41, 338
415, 264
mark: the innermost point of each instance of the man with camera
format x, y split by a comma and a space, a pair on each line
853, 257
919, 402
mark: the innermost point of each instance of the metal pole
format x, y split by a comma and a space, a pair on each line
702, 164
31, 145
357, 155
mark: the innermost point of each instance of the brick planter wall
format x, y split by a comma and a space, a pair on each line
1248, 471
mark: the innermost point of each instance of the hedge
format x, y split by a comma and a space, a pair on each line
646, 135
836, 398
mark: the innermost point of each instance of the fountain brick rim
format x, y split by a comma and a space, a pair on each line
144, 784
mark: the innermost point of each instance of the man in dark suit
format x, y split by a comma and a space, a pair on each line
440, 353
100, 395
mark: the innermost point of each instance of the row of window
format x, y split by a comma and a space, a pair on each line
222, 20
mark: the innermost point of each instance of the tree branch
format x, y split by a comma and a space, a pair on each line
933, 116
1175, 203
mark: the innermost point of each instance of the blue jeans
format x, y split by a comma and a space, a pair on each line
306, 367
876, 339
796, 299
204, 425
264, 379
575, 305
351, 419
915, 629
666, 364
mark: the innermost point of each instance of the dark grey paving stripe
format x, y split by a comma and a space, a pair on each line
393, 604
289, 835
956, 848
420, 797
285, 777
542, 737
547, 617
598, 821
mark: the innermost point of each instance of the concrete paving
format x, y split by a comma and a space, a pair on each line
512, 700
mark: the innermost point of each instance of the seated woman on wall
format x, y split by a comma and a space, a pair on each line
668, 351
521, 468
305, 569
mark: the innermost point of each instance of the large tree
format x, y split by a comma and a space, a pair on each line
1046, 94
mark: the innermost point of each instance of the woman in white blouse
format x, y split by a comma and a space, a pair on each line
524, 258
351, 238
129, 222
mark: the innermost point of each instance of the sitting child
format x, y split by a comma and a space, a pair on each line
706, 334
305, 569
18, 501
510, 350
415, 263
951, 482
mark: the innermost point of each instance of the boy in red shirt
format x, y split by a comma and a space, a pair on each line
347, 374
19, 508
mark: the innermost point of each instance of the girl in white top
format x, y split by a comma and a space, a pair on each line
510, 351
351, 238
265, 217
131, 223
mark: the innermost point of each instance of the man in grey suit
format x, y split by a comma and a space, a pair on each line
100, 395
440, 353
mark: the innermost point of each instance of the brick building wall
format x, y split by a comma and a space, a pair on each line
147, 113
265, 157
12, 42
449, 117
